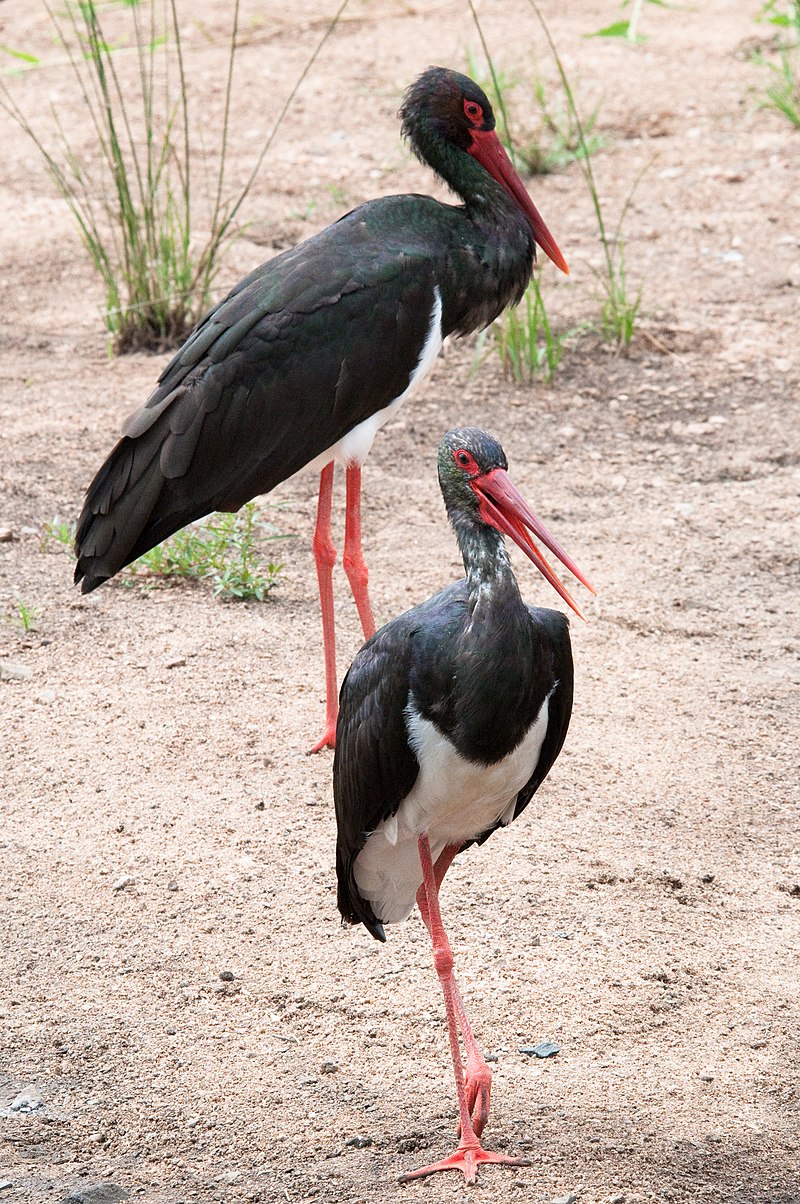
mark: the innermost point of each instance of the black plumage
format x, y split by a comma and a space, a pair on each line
484, 712
471, 688
319, 341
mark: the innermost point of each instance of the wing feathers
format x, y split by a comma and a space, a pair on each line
302, 351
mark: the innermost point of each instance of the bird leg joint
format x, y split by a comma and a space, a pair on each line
323, 548
356, 569
443, 960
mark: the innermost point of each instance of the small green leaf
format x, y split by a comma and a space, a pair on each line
618, 30
20, 54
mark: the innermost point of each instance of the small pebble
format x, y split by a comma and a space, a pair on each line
46, 696
6, 535
329, 1068
569, 1198
27, 1101
177, 662
170, 1030
706, 1078
4, 1183
11, 671
101, 1193
226, 975
172, 886
545, 1049
359, 1143
121, 883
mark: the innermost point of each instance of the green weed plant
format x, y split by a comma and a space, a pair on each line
135, 198
223, 549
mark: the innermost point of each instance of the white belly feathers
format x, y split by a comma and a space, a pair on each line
453, 800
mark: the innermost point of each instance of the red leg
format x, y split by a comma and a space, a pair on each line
353, 559
325, 556
478, 1084
469, 1154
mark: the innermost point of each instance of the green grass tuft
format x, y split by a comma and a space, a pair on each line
782, 93
223, 549
134, 199
528, 347
618, 310
553, 142
25, 615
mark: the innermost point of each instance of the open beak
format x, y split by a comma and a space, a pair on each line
488, 150
504, 507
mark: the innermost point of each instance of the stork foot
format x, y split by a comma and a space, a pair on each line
466, 1158
326, 740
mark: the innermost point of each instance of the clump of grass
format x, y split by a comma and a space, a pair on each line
567, 143
525, 340
619, 308
25, 615
57, 532
782, 93
224, 549
554, 141
135, 207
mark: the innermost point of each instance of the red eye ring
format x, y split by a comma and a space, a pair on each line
466, 461
473, 110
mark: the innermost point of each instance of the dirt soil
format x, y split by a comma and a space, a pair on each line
177, 996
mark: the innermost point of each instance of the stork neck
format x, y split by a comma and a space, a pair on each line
486, 563
490, 267
485, 198
481, 194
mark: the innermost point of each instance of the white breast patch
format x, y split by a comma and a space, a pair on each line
453, 800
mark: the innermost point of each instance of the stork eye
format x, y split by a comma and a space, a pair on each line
466, 460
473, 111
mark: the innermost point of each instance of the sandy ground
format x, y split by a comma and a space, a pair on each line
161, 824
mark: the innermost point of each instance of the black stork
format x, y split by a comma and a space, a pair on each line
310, 354
450, 718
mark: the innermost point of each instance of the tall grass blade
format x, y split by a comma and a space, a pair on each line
139, 233
618, 311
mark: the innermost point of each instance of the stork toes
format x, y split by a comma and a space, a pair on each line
326, 740
467, 1157
478, 1085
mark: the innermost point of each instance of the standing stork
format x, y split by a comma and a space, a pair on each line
310, 354
450, 719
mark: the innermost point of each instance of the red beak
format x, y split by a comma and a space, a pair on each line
488, 150
502, 506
